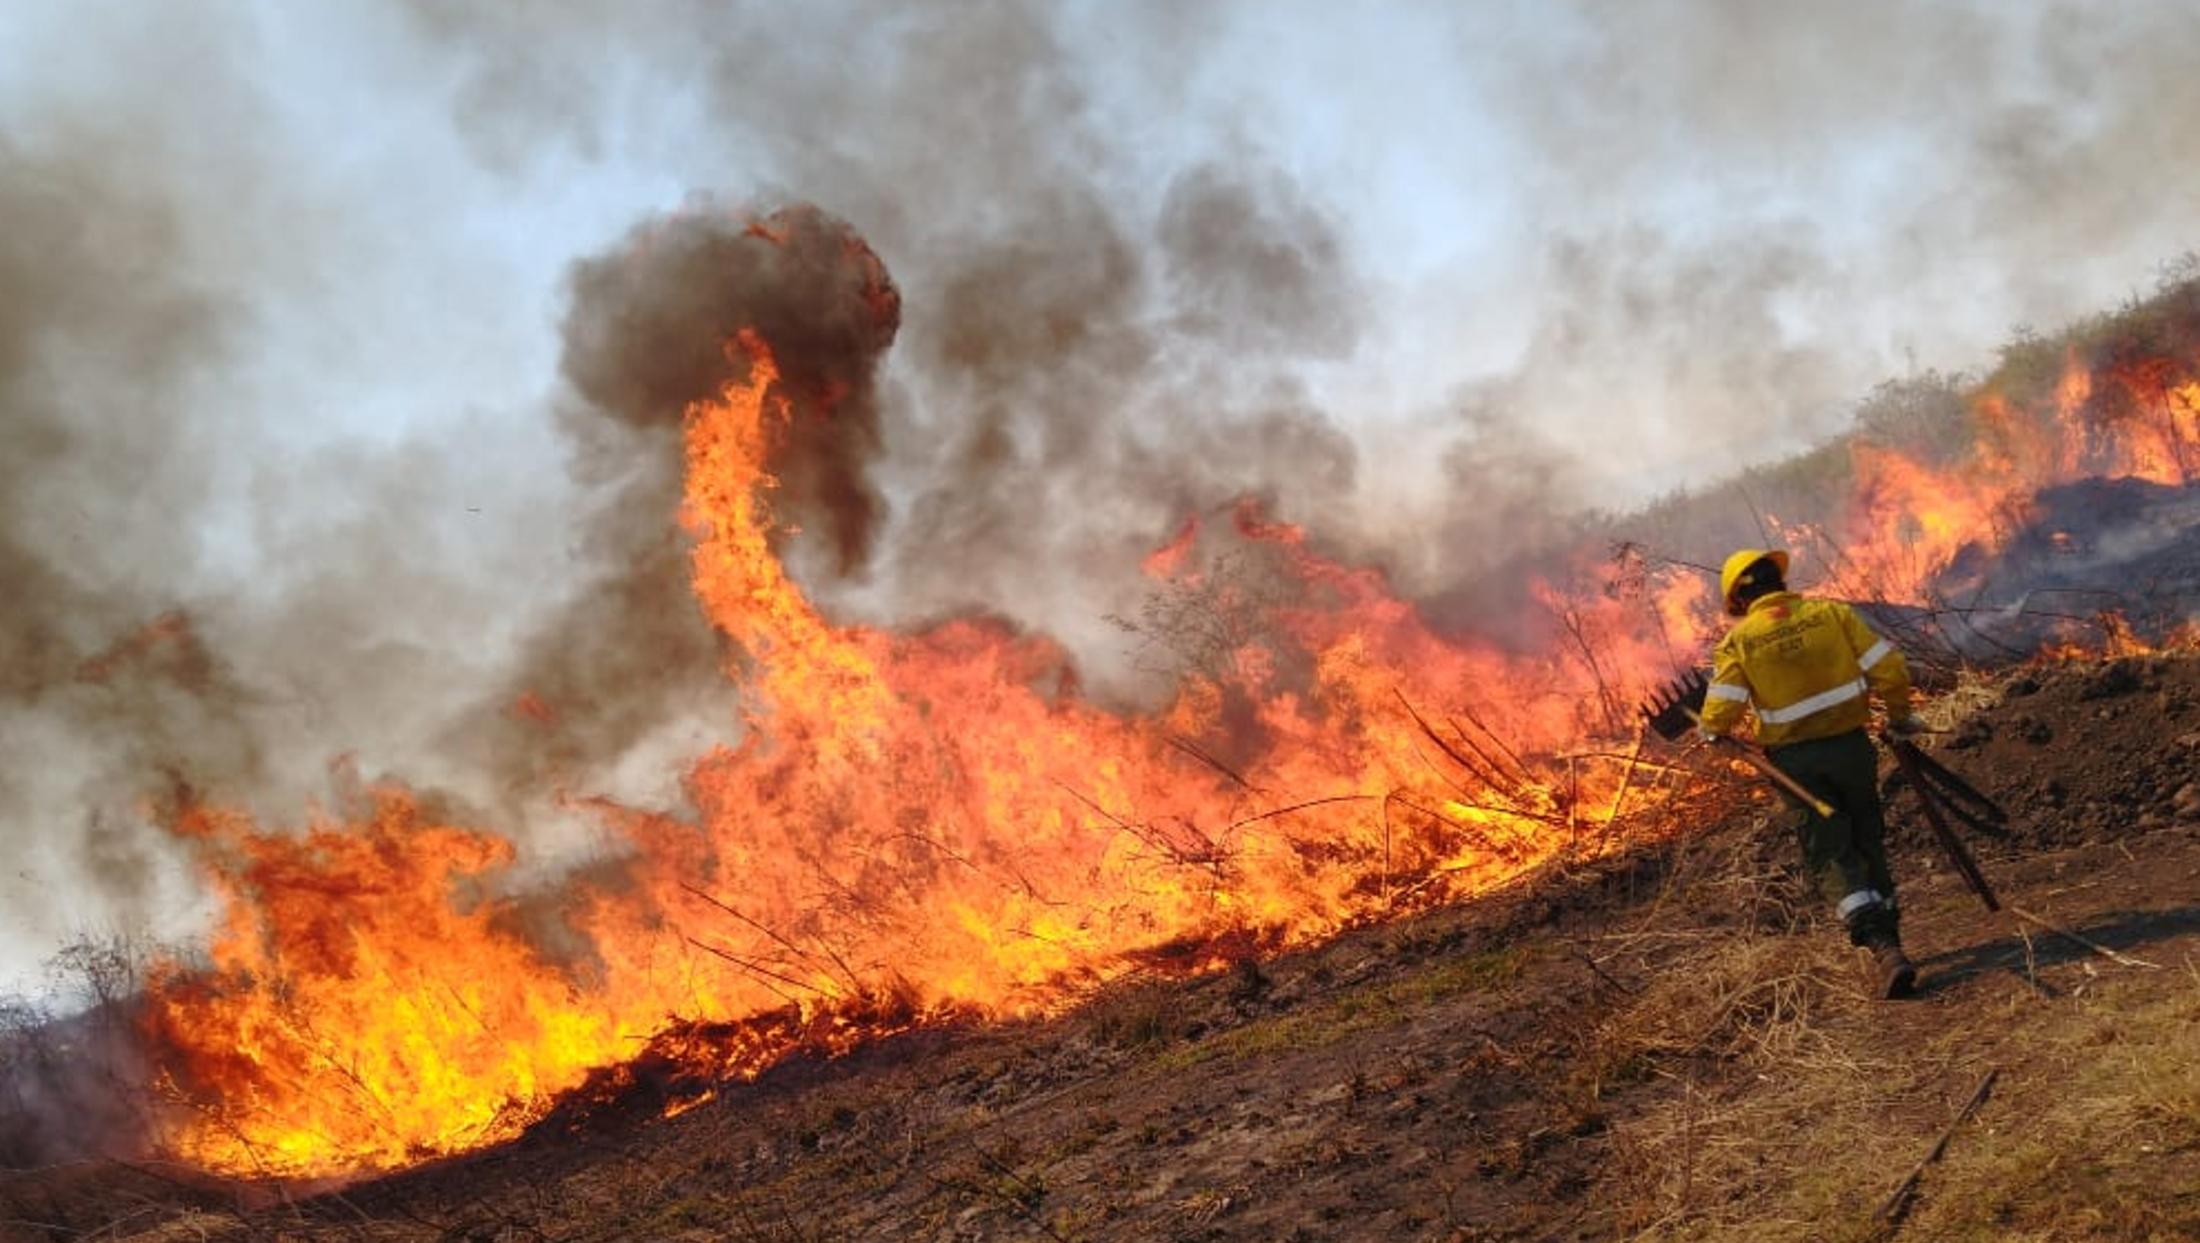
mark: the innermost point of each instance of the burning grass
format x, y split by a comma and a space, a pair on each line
925, 827
934, 817
1668, 1041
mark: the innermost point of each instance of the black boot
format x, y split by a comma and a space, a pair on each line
1893, 974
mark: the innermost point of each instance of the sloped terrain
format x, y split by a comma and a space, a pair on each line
1671, 1042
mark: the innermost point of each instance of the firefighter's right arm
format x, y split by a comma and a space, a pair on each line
1728, 694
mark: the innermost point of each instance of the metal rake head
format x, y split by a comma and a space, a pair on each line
1671, 709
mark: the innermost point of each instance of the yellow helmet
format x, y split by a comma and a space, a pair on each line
1737, 568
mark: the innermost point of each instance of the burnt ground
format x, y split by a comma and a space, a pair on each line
1670, 1042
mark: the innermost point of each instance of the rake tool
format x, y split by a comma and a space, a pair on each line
1679, 705
1956, 796
1943, 793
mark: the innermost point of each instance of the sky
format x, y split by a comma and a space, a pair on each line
288, 291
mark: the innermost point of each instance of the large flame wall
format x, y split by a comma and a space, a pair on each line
918, 824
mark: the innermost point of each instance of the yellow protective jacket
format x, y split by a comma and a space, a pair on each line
1805, 666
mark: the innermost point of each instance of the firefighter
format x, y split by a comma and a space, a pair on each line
1808, 667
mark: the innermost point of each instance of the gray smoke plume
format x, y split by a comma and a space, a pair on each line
651, 326
1745, 217
1082, 364
196, 592
102, 344
651, 329
1731, 223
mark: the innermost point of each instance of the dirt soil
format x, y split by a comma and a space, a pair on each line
1672, 1042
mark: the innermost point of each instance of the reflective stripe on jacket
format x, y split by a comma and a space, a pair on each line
1805, 665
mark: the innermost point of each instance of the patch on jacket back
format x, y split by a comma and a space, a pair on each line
1785, 637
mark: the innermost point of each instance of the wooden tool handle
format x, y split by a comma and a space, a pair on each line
1758, 761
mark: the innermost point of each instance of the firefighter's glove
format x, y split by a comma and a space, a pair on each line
1705, 733
1905, 727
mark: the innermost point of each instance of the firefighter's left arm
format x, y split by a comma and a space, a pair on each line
1884, 668
1729, 691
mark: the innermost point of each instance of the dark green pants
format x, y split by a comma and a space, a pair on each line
1845, 855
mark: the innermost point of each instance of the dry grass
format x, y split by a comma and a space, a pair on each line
2101, 1140
1751, 998
1798, 1104
1974, 692
1725, 1024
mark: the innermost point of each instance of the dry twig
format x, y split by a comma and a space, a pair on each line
1626, 779
855, 981
2098, 948
1891, 1211
1190, 748
1492, 776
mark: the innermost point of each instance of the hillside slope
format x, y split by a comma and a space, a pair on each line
1669, 1043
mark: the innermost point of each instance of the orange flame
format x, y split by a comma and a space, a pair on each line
912, 825
1909, 521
